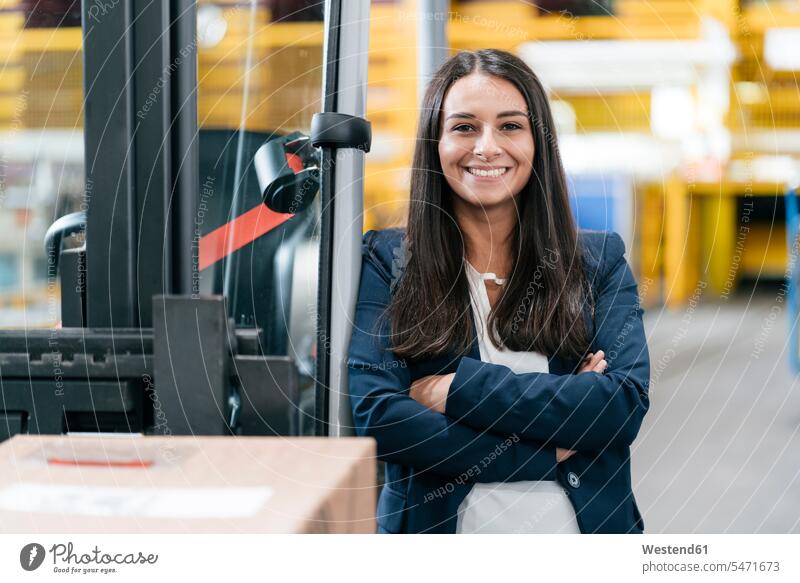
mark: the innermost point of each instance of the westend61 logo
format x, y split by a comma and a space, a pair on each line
65, 560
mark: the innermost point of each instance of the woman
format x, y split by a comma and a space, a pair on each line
498, 355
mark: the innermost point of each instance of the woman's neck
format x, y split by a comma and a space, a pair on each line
488, 235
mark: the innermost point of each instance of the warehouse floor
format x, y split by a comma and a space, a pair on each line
719, 451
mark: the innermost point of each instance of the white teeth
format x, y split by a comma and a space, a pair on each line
492, 173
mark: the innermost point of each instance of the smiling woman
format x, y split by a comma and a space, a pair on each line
503, 414
486, 128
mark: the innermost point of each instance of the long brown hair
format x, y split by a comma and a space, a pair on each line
541, 307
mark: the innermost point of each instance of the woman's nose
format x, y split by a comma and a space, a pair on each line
486, 145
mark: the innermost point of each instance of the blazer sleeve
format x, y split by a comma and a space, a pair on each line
409, 433
586, 411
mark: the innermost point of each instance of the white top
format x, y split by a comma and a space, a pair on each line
511, 507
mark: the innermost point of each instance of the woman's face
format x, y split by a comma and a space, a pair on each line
486, 141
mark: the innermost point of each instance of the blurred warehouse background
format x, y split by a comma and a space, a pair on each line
678, 120
679, 127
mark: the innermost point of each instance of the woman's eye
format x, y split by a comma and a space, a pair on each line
464, 128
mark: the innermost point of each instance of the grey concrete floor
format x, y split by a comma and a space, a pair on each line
719, 450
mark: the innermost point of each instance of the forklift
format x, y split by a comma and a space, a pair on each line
207, 286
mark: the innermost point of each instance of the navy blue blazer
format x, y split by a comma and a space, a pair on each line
499, 426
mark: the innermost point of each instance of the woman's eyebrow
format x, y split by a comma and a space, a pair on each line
512, 113
461, 114
465, 115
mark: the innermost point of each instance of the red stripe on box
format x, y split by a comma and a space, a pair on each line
100, 463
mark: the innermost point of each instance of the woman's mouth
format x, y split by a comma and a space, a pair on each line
486, 173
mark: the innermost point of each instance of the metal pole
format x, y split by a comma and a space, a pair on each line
432, 46
342, 204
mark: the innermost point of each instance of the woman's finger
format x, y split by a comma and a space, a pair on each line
593, 362
588, 363
596, 358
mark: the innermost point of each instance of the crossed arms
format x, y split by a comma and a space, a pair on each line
486, 402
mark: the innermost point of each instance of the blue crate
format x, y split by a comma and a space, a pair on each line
603, 203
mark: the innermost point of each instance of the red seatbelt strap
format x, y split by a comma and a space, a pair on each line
244, 229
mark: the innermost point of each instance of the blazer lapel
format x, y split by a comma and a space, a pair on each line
560, 365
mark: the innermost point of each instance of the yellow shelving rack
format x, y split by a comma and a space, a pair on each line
284, 79
392, 110
12, 74
763, 98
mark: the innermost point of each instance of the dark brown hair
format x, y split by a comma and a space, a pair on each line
541, 306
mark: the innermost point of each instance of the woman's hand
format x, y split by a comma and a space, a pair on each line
593, 363
432, 391
563, 454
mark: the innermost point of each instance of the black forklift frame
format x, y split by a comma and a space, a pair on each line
327, 202
140, 128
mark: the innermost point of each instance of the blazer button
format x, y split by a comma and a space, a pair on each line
573, 480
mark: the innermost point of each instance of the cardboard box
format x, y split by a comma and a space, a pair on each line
131, 484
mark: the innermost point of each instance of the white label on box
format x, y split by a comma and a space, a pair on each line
138, 502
